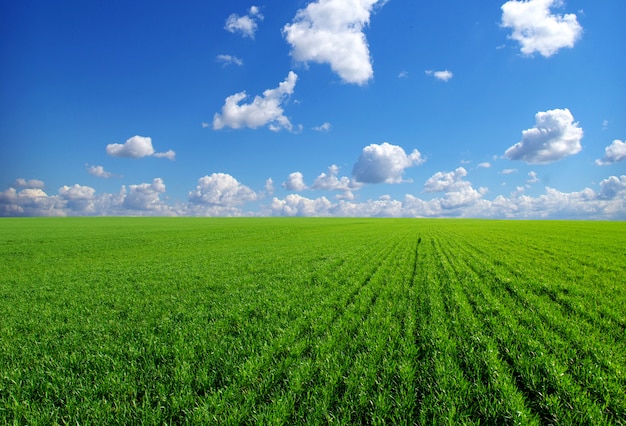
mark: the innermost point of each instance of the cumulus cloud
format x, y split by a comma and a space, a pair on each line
29, 202
221, 189
221, 195
458, 192
229, 59
137, 147
28, 183
613, 153
145, 196
99, 171
384, 163
297, 205
79, 199
485, 165
330, 182
613, 186
554, 137
331, 31
294, 182
245, 25
444, 75
269, 187
537, 29
263, 110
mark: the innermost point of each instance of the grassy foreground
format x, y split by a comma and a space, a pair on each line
289, 321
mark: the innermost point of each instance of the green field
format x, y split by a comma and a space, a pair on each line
316, 321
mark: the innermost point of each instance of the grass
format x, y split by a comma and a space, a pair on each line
316, 321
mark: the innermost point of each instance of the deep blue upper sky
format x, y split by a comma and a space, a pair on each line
329, 107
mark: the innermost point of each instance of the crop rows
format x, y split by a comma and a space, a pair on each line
316, 321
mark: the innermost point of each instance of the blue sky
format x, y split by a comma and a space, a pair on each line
326, 108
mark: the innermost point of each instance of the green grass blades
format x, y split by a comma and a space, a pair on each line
311, 321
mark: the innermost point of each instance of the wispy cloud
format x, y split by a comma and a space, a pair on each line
443, 75
325, 127
229, 59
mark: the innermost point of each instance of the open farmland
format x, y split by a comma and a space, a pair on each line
287, 321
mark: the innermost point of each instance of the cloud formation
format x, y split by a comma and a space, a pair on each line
554, 137
384, 163
28, 183
331, 32
457, 191
221, 189
245, 25
263, 110
99, 171
444, 75
221, 195
537, 29
613, 153
294, 182
145, 196
330, 182
137, 147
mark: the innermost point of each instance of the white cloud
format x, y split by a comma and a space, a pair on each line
508, 171
485, 165
294, 182
245, 25
532, 177
444, 75
136, 147
266, 109
537, 29
403, 74
445, 181
613, 153
458, 192
99, 171
229, 59
269, 187
297, 205
613, 186
554, 137
29, 202
330, 182
325, 127
28, 183
221, 190
331, 31
79, 199
170, 155
220, 195
384, 163
145, 196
